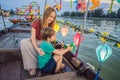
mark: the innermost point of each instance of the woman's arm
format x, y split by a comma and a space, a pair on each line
33, 40
62, 52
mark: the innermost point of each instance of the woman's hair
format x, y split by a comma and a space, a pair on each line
46, 14
47, 33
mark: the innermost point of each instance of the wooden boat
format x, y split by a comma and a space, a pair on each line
11, 66
15, 21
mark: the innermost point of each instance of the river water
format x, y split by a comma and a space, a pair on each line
87, 52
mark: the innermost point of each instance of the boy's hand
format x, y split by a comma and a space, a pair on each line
69, 48
40, 51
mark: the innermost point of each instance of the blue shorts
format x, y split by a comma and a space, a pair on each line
49, 67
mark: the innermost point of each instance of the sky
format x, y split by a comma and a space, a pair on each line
13, 4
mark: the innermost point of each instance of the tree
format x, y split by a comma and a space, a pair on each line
98, 12
118, 13
112, 15
73, 14
66, 13
12, 12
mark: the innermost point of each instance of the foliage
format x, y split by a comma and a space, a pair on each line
95, 13
12, 12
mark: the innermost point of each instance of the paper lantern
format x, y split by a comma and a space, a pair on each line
78, 38
118, 1
95, 3
56, 27
71, 45
103, 52
64, 31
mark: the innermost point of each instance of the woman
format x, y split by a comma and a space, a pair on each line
30, 47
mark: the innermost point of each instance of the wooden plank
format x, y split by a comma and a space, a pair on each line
9, 50
11, 71
4, 41
62, 76
8, 55
25, 74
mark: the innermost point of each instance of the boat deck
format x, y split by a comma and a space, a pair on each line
63, 76
14, 37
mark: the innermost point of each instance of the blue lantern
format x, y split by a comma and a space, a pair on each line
103, 53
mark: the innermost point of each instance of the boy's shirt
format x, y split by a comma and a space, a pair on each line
48, 49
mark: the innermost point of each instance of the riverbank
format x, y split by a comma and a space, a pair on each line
92, 18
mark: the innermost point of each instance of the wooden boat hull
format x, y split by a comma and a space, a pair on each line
11, 60
14, 21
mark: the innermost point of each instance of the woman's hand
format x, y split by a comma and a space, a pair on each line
40, 51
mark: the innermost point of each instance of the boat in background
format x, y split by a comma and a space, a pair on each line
27, 13
15, 21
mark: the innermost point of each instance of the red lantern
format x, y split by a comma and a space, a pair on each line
78, 38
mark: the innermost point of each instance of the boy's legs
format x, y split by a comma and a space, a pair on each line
58, 60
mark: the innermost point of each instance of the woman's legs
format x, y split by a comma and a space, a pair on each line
29, 54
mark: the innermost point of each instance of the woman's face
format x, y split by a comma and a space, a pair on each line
51, 17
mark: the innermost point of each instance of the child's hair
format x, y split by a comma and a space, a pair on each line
47, 33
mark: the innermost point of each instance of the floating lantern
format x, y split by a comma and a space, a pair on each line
91, 30
103, 39
103, 53
56, 27
78, 38
95, 3
64, 31
105, 33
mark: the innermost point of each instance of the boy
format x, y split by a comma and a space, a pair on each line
48, 63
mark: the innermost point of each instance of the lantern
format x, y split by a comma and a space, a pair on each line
103, 53
78, 38
64, 31
56, 27
118, 1
71, 45
95, 3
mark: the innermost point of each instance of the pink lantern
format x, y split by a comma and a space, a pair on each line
64, 31
78, 38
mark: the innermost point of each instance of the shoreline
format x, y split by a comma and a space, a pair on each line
92, 18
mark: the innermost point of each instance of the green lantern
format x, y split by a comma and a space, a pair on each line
118, 1
103, 52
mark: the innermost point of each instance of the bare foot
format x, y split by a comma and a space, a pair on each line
32, 72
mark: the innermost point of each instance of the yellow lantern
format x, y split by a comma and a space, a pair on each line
91, 30
103, 39
105, 33
56, 27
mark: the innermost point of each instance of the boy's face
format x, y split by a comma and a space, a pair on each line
53, 38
